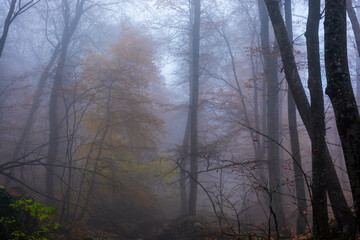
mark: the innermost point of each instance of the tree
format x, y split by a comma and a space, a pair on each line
294, 139
184, 152
34, 107
252, 124
318, 143
121, 124
16, 8
340, 92
194, 109
270, 70
356, 29
338, 202
70, 26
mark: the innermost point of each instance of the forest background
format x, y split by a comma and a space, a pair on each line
123, 112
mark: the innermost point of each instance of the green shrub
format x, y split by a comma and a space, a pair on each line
30, 220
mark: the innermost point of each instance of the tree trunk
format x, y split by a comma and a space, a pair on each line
183, 158
318, 143
271, 75
341, 93
194, 110
258, 141
34, 107
339, 205
69, 29
294, 140
53, 122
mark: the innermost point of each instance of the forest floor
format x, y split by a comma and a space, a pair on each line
183, 228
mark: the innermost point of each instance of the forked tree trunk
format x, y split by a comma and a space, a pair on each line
338, 202
53, 122
69, 29
318, 143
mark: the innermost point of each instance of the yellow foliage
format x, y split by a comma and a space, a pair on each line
121, 124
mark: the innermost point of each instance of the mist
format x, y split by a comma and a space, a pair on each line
179, 119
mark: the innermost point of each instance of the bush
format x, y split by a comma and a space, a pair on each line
27, 219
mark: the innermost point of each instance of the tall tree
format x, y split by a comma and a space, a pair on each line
271, 74
120, 122
184, 152
340, 92
34, 107
70, 26
318, 144
294, 141
194, 109
339, 205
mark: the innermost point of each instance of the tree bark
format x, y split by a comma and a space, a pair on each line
294, 140
339, 205
318, 143
194, 110
340, 92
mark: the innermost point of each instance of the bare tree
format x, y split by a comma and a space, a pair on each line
16, 8
271, 73
340, 207
294, 141
318, 144
70, 26
341, 94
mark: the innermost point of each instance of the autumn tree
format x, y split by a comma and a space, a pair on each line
122, 127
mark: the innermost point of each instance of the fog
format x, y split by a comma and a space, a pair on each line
172, 119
